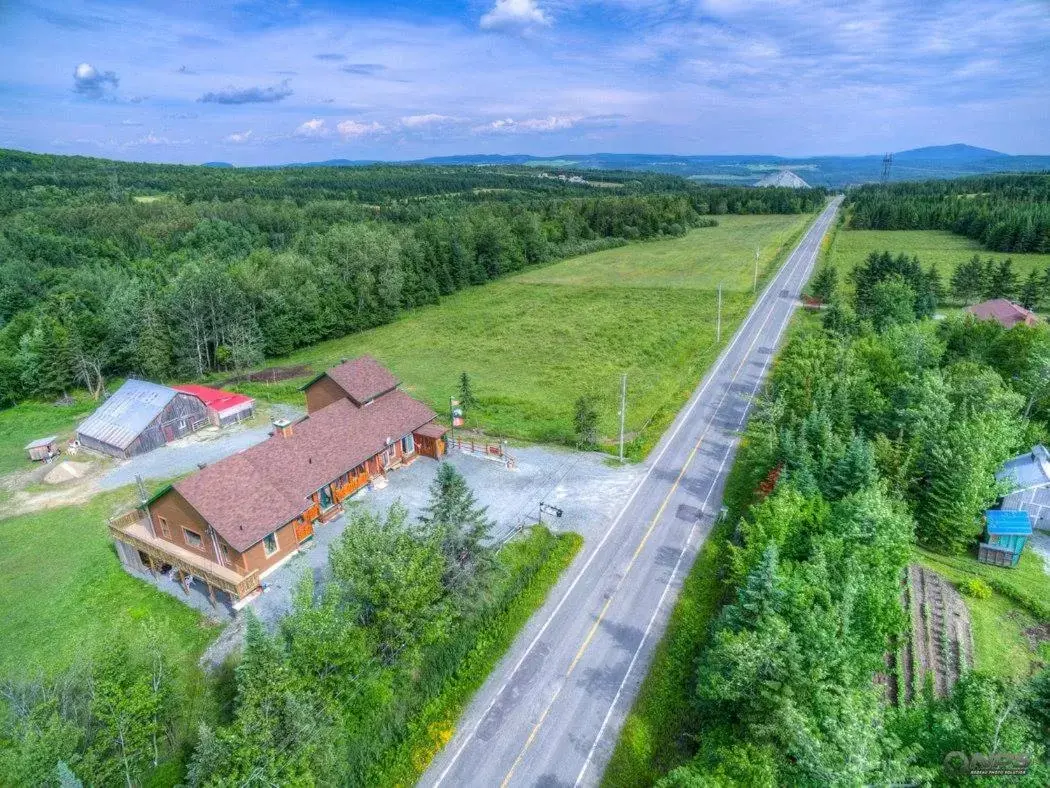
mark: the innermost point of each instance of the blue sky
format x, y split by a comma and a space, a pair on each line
273, 82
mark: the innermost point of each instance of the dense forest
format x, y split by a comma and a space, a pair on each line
879, 428
111, 268
1006, 213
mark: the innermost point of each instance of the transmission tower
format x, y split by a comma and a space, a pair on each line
887, 163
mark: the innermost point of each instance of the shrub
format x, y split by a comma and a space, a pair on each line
976, 588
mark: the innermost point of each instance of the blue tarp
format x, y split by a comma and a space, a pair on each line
1006, 522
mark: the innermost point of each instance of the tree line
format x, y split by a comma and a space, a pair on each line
96, 283
878, 429
1005, 213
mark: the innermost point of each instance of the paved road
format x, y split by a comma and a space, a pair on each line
551, 712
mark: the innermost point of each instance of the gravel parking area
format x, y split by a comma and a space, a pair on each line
587, 489
207, 445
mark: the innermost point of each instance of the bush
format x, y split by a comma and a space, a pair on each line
976, 588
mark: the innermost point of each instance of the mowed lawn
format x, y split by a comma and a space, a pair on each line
534, 343
27, 422
65, 595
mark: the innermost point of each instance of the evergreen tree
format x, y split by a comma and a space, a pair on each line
968, 281
461, 527
585, 421
1031, 291
466, 392
853, 470
825, 283
1003, 281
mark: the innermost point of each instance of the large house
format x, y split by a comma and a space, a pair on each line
233, 522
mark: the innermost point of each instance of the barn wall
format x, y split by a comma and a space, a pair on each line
94, 444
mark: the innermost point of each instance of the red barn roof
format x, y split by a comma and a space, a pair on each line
216, 399
1003, 311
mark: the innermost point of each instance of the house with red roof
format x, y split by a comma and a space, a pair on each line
223, 407
234, 521
1003, 311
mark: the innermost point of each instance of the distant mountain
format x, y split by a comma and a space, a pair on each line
956, 152
939, 161
218, 164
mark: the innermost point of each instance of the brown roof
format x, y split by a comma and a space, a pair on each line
249, 495
1005, 312
432, 430
363, 378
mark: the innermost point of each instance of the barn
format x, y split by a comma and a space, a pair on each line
224, 407
141, 416
1027, 480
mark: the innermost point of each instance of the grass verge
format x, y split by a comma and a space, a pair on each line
530, 568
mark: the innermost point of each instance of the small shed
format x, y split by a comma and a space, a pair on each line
224, 407
1006, 533
42, 448
141, 416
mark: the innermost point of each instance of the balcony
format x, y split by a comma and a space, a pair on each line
130, 529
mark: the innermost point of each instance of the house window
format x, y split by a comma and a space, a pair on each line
164, 530
408, 444
193, 539
270, 544
225, 551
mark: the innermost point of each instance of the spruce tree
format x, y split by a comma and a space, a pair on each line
585, 421
460, 525
825, 283
1031, 291
466, 393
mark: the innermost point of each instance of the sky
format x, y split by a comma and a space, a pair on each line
274, 82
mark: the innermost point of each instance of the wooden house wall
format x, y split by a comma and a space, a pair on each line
322, 392
177, 512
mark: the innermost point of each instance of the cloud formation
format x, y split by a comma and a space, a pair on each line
313, 128
88, 81
510, 126
238, 137
516, 16
252, 95
349, 129
429, 119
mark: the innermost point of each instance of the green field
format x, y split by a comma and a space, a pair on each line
66, 595
26, 422
849, 248
534, 343
699, 260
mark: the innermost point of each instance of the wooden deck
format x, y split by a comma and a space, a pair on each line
135, 533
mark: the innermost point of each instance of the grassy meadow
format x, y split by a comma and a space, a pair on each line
31, 420
66, 595
534, 343
849, 248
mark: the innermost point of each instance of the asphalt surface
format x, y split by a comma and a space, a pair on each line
551, 711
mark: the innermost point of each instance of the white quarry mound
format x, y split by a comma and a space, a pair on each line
67, 471
783, 178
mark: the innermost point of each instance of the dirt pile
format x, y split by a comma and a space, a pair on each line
67, 471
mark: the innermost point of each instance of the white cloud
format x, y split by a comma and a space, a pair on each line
515, 16
430, 119
152, 139
238, 137
315, 127
349, 129
509, 125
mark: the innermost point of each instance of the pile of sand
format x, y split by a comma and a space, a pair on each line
67, 471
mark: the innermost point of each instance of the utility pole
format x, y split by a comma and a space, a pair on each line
754, 288
718, 323
623, 409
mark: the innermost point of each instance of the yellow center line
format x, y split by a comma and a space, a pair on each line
605, 608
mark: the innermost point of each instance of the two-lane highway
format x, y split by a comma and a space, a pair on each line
551, 711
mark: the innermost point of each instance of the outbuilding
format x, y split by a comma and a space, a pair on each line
224, 407
1006, 533
1027, 480
141, 416
42, 448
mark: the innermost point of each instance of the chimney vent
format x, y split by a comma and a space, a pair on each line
282, 427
